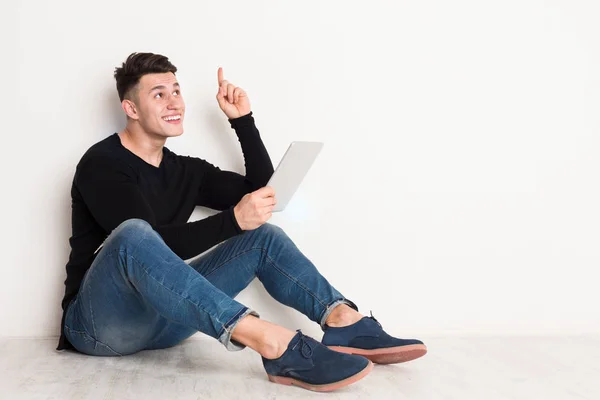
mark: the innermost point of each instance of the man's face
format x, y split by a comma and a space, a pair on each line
160, 107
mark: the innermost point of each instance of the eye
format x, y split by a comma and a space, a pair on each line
177, 93
158, 95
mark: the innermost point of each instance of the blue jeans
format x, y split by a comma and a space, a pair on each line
139, 295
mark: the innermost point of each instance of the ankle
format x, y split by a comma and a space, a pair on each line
343, 315
266, 338
270, 349
275, 343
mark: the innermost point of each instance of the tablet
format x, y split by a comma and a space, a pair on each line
291, 170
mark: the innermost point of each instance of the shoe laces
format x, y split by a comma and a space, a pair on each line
305, 348
373, 318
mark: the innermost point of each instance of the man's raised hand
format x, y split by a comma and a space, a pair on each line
233, 100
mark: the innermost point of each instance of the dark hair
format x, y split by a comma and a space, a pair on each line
138, 65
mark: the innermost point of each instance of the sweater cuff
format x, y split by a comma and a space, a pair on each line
234, 221
244, 120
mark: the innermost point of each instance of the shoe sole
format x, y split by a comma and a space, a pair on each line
390, 355
326, 387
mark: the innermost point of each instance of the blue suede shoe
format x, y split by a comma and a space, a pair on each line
310, 365
367, 338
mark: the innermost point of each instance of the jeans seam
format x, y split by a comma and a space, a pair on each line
237, 315
74, 331
104, 256
92, 318
272, 262
93, 339
110, 348
230, 259
226, 336
179, 295
329, 306
298, 283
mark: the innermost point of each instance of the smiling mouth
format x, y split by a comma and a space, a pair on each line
172, 118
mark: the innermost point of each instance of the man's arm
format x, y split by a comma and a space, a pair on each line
110, 191
223, 189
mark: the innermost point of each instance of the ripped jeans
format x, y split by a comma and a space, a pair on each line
139, 295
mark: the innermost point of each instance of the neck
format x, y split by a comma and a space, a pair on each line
146, 146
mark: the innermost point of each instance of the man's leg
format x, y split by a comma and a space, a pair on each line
287, 275
269, 254
136, 287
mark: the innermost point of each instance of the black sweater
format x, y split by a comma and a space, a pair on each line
112, 184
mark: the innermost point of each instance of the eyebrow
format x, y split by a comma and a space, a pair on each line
162, 87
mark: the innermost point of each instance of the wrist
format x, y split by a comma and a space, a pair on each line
241, 115
242, 120
236, 216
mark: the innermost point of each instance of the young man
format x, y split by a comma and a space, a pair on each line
128, 288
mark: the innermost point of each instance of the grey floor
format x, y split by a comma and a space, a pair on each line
486, 368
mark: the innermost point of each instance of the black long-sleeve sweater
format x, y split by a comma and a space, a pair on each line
112, 184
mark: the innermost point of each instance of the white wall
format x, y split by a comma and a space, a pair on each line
458, 188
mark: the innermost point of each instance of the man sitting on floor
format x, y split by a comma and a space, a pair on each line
128, 288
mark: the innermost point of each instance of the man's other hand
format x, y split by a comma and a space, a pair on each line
255, 208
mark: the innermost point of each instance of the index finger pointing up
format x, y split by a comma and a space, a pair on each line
220, 75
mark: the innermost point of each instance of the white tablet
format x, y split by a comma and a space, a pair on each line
291, 170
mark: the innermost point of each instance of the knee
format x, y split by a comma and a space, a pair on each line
269, 235
133, 224
271, 230
130, 231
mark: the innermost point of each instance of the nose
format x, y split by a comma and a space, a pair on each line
175, 102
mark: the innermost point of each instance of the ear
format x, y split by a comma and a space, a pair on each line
130, 109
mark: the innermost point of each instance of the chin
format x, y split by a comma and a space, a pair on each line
173, 132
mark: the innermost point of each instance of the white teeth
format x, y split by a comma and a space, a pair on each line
172, 118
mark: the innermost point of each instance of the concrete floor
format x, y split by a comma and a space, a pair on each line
485, 368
